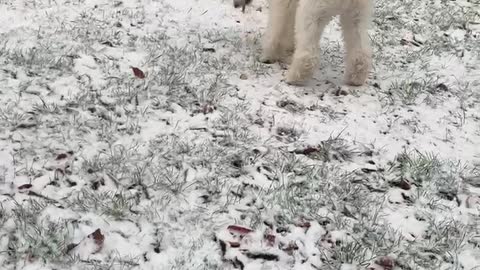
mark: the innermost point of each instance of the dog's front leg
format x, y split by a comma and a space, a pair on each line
278, 41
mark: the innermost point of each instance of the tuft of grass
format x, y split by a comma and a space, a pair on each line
115, 262
417, 166
4, 215
335, 149
117, 205
172, 179
431, 174
410, 91
35, 239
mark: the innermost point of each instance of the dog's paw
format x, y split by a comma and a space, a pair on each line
357, 68
356, 78
267, 59
294, 77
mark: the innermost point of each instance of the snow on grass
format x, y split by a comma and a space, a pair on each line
146, 135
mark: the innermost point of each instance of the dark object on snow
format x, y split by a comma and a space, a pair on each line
241, 3
263, 256
239, 229
138, 73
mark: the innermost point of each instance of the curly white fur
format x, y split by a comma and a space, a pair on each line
295, 27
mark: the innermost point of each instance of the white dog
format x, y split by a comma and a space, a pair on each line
295, 27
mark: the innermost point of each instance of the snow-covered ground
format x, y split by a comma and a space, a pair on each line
144, 134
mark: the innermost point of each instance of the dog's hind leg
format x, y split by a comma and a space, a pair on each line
312, 17
358, 58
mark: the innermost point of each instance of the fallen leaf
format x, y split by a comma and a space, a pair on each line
403, 184
89, 245
303, 224
270, 238
61, 156
239, 229
208, 109
25, 186
138, 73
234, 244
386, 262
97, 236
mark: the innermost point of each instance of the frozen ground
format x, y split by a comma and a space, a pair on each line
204, 159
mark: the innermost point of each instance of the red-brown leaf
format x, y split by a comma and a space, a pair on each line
138, 73
386, 262
239, 229
98, 238
270, 238
303, 224
208, 109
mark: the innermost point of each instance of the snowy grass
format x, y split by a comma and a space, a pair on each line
103, 167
